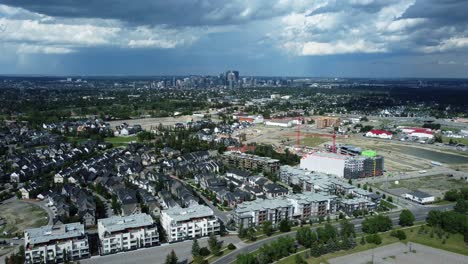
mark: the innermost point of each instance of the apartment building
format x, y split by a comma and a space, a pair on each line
250, 162
307, 205
187, 223
256, 212
55, 244
123, 233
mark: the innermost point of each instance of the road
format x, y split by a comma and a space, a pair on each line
157, 255
419, 213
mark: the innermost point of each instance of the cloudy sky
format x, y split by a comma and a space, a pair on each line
338, 38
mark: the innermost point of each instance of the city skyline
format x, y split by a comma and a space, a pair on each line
365, 38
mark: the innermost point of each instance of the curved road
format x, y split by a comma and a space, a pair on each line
419, 213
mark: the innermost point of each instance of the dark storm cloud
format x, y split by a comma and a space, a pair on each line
154, 12
450, 12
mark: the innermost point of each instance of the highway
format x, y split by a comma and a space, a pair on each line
419, 213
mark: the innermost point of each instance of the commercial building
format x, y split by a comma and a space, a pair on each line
343, 166
379, 134
123, 233
425, 133
280, 122
419, 197
250, 162
52, 244
326, 121
187, 223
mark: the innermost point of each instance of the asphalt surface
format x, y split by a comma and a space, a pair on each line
157, 255
419, 213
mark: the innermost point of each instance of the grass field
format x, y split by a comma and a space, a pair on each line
20, 216
121, 141
313, 141
458, 140
453, 243
436, 185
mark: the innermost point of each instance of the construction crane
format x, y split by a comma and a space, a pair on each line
333, 136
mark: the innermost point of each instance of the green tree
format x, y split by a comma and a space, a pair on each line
306, 237
195, 248
214, 245
375, 224
267, 228
298, 259
284, 226
171, 258
347, 229
461, 206
406, 218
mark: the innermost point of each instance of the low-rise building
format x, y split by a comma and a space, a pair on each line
55, 244
256, 212
375, 133
187, 223
250, 162
123, 233
419, 197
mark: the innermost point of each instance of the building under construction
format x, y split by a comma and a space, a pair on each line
369, 164
326, 121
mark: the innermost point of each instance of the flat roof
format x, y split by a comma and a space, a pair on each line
46, 234
119, 223
179, 214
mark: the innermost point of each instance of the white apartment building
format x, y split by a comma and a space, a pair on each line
186, 223
55, 244
256, 212
123, 233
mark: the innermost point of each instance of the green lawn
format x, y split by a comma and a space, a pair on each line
454, 243
458, 140
387, 204
313, 141
121, 141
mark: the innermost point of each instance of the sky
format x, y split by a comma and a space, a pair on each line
316, 38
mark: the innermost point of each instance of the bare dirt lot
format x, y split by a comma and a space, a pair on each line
401, 253
436, 185
20, 216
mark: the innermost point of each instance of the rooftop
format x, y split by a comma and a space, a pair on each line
118, 223
46, 234
179, 214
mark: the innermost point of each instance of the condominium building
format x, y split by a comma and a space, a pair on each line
55, 244
307, 205
123, 233
256, 212
250, 162
187, 223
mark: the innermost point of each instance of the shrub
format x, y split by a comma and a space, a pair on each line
204, 251
231, 246
400, 234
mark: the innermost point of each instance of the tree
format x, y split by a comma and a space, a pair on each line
400, 234
347, 229
195, 248
267, 228
248, 258
172, 258
242, 231
451, 195
214, 245
350, 181
461, 206
284, 226
406, 218
374, 238
375, 224
251, 234
306, 237
298, 259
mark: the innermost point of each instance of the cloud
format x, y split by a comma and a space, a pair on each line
35, 33
171, 13
294, 27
